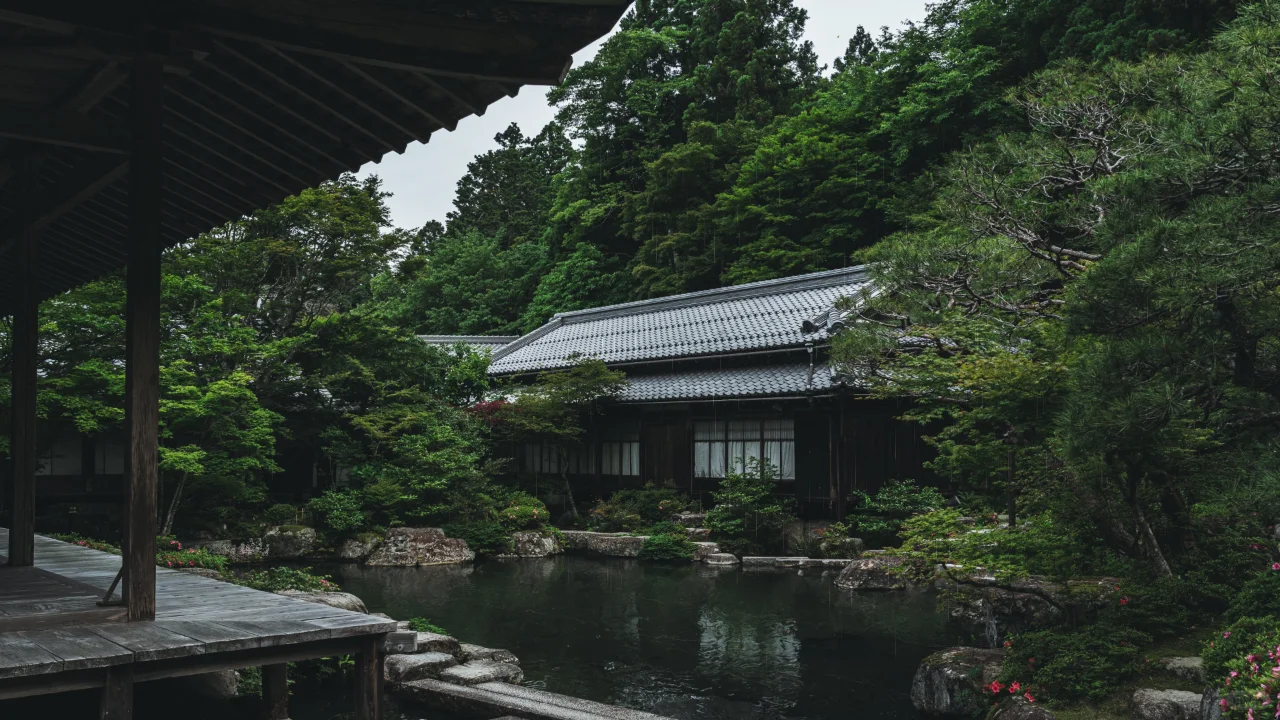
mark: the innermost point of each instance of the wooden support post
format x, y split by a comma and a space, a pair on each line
275, 691
142, 338
117, 694
369, 679
22, 518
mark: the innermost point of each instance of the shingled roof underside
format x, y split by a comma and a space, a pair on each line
745, 318
763, 381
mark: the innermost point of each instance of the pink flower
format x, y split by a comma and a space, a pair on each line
1014, 687
1226, 635
1275, 566
1124, 600
191, 563
170, 564
1030, 698
995, 686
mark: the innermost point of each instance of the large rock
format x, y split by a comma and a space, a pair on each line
407, 668
1190, 669
1210, 705
435, 642
469, 652
1021, 603
689, 520
475, 672
950, 682
875, 572
340, 600
1019, 709
360, 547
534, 544
1166, 705
603, 543
289, 542
249, 551
410, 547
704, 550
842, 547
722, 559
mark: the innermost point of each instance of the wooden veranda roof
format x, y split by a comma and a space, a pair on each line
262, 99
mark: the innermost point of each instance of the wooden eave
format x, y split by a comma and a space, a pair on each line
262, 100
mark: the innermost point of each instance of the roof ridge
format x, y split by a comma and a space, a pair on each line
525, 339
824, 278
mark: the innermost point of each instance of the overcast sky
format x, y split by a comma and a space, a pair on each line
423, 179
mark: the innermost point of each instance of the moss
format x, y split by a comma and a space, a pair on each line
293, 528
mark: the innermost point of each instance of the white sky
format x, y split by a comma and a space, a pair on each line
423, 179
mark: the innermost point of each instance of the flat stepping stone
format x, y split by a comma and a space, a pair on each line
477, 672
721, 559
471, 652
407, 668
497, 699
435, 642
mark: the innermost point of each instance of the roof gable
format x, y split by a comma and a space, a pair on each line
743, 318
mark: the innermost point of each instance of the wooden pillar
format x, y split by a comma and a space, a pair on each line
142, 339
369, 679
275, 691
117, 694
22, 506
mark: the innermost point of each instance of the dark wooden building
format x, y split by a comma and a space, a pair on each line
128, 126
716, 379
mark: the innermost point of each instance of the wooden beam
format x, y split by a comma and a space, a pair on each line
117, 694
369, 678
275, 691
547, 68
142, 338
67, 129
22, 429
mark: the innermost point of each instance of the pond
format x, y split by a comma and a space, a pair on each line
686, 641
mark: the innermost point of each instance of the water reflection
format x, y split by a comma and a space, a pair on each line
678, 640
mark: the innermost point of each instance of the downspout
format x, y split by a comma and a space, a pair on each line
809, 382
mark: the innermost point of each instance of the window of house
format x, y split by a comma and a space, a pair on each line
620, 455
719, 446
108, 457
544, 458
64, 458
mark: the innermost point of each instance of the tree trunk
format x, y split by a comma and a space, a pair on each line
568, 495
173, 506
1011, 494
1161, 564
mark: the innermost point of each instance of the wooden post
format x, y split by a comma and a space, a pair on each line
369, 679
275, 691
142, 338
117, 694
22, 518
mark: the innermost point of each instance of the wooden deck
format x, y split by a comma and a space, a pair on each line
54, 637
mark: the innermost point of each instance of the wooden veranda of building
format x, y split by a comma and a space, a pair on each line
127, 127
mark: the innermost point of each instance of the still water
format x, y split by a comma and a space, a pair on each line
684, 641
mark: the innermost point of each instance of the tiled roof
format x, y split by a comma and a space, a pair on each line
743, 318
760, 381
490, 343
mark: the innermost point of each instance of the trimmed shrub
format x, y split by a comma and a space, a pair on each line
280, 514
667, 546
420, 624
1073, 665
285, 578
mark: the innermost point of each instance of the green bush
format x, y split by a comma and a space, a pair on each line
171, 554
519, 510
420, 624
636, 510
284, 578
338, 513
484, 537
667, 546
280, 514
1241, 664
1071, 665
100, 545
878, 519
1260, 597
748, 518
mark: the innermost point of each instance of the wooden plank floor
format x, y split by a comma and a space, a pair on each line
50, 622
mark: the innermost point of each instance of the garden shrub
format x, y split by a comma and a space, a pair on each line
748, 518
421, 624
92, 544
171, 554
667, 546
338, 513
636, 510
878, 519
519, 510
1260, 597
1243, 664
1071, 665
280, 514
286, 578
484, 537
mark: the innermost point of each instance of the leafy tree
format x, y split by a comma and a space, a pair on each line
555, 408
748, 517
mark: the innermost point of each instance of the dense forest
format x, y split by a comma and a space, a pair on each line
1071, 210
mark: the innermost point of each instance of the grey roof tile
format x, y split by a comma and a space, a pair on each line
760, 381
757, 316
490, 343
